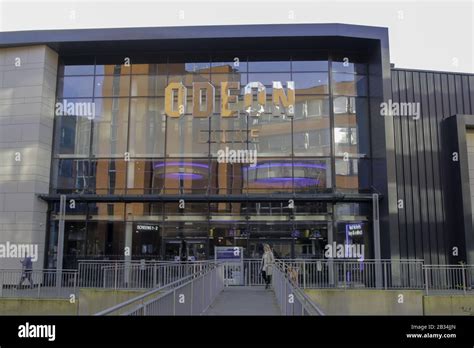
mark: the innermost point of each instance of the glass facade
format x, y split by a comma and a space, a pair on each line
126, 146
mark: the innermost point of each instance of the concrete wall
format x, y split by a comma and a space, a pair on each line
368, 302
89, 302
92, 301
27, 93
31, 306
448, 305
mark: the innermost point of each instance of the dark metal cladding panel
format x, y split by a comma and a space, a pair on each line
431, 141
439, 112
422, 227
402, 231
415, 167
465, 94
471, 92
406, 147
447, 110
422, 132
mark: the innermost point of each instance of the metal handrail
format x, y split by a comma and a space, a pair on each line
307, 304
171, 286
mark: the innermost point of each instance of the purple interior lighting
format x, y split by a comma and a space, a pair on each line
184, 176
181, 164
286, 164
298, 181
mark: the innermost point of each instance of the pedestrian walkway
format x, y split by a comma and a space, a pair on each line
243, 300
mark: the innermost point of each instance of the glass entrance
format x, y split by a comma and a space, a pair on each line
185, 249
282, 248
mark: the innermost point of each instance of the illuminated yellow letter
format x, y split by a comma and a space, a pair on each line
208, 89
227, 98
169, 99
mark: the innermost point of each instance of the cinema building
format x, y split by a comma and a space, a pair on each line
99, 155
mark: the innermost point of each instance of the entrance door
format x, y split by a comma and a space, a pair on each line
282, 248
185, 249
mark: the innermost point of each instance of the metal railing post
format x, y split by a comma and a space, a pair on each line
385, 275
115, 276
75, 283
463, 270
344, 272
174, 302
39, 284
426, 279
192, 296
304, 274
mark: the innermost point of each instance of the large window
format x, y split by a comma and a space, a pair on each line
129, 146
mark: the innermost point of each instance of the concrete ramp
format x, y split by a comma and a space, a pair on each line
242, 300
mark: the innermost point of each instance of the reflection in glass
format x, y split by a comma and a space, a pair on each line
227, 178
229, 133
187, 136
148, 85
231, 64
312, 176
108, 176
189, 79
80, 69
349, 84
72, 131
143, 178
112, 86
71, 175
147, 127
274, 135
183, 176
351, 126
311, 83
112, 66
269, 176
75, 87
149, 69
107, 211
110, 127
267, 80
352, 175
311, 126
309, 65
268, 66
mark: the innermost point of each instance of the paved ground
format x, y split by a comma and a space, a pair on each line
241, 300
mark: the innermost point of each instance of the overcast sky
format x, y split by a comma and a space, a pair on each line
434, 35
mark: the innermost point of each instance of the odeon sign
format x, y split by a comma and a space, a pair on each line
203, 99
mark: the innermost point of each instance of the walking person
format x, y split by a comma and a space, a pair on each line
27, 271
268, 261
